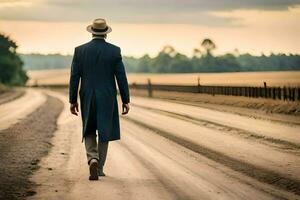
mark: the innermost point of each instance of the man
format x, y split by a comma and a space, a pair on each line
96, 64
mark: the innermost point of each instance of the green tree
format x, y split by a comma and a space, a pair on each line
226, 63
11, 65
144, 64
180, 64
208, 46
197, 53
161, 63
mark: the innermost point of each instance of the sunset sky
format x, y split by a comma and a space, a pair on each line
144, 26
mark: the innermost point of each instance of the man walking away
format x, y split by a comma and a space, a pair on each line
97, 64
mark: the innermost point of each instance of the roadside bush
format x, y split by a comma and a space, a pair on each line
11, 65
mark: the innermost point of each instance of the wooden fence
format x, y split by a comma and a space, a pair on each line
276, 93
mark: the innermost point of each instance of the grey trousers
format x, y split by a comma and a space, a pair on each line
95, 150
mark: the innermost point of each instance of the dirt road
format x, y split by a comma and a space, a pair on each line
175, 151
12, 112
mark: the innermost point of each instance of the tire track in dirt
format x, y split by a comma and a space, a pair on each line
286, 146
168, 185
220, 108
11, 95
13, 111
140, 134
259, 173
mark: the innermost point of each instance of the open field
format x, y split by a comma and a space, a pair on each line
291, 78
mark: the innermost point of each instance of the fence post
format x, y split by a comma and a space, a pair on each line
257, 92
249, 91
36, 84
261, 92
293, 94
199, 86
289, 93
149, 88
265, 89
279, 93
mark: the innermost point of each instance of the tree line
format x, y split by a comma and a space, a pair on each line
169, 60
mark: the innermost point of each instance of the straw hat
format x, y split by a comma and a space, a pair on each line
99, 27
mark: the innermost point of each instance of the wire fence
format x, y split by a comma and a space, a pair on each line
277, 93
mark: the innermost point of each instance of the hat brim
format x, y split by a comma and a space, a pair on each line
89, 29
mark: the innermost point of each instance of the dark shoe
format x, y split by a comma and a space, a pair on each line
93, 170
101, 173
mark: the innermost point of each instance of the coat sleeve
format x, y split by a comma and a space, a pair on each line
74, 79
121, 77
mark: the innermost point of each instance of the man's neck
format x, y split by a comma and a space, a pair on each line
99, 37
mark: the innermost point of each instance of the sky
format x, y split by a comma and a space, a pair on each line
145, 26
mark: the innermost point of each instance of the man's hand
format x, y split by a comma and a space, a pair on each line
125, 108
74, 109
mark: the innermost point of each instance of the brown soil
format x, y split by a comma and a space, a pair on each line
10, 94
261, 174
277, 143
22, 146
288, 112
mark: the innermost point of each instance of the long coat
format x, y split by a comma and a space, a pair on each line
97, 65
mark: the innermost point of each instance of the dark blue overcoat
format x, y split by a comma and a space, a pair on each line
97, 65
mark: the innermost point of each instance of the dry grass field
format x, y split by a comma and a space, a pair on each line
61, 76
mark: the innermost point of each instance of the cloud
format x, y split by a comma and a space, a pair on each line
178, 5
136, 11
4, 4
